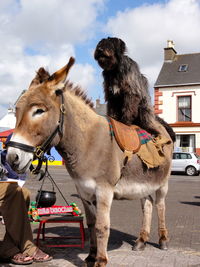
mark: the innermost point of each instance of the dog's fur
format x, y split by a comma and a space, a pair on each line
126, 89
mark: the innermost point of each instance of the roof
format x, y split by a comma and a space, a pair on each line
6, 133
171, 76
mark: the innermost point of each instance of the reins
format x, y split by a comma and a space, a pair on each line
40, 150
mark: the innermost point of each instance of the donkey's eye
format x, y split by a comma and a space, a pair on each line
38, 112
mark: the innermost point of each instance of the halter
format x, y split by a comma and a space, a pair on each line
40, 150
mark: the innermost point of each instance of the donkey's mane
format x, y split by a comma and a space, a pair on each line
78, 91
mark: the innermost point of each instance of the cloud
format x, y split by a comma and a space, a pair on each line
46, 33
56, 21
147, 28
42, 33
86, 78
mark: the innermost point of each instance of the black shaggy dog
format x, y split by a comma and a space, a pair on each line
126, 89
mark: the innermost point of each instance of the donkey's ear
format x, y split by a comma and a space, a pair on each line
59, 76
41, 76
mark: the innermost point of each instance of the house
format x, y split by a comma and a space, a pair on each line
100, 108
177, 97
8, 121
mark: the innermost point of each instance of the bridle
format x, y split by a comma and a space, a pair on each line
39, 151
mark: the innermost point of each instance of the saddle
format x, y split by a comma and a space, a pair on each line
126, 136
132, 139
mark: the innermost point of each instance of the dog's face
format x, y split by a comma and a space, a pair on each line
108, 52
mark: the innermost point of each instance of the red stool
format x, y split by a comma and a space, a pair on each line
61, 219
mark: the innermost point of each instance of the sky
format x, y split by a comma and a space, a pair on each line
45, 33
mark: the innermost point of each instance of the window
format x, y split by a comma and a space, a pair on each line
183, 67
176, 156
185, 143
185, 156
185, 140
181, 156
184, 108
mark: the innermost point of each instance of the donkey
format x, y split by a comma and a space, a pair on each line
92, 158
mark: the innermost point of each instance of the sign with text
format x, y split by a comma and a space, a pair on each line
55, 210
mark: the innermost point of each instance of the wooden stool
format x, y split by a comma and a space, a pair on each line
61, 219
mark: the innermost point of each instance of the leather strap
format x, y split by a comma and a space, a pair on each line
24, 147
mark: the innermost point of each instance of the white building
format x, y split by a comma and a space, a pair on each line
177, 97
8, 121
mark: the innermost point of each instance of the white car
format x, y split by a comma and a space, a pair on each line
186, 162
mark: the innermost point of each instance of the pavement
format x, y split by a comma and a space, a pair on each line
183, 220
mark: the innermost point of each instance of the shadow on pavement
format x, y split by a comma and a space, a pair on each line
116, 240
190, 203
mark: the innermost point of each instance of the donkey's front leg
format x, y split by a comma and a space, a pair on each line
147, 206
90, 211
104, 197
160, 205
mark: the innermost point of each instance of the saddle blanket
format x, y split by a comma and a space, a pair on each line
152, 153
144, 136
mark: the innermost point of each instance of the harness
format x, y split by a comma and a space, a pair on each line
40, 150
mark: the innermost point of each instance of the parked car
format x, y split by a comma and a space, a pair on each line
186, 162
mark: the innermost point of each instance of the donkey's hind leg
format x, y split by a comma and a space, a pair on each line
160, 205
147, 207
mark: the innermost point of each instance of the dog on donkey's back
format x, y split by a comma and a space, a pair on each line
125, 87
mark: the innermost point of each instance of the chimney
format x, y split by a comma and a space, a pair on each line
169, 51
97, 103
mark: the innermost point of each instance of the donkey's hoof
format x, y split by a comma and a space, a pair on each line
163, 244
101, 262
88, 264
89, 261
139, 246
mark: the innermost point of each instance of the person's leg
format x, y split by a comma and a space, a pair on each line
8, 248
26, 243
18, 241
18, 237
